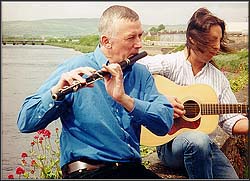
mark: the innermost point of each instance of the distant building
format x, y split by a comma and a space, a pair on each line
237, 27
237, 32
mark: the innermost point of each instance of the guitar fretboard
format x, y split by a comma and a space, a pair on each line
212, 109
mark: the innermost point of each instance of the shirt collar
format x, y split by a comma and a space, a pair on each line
100, 57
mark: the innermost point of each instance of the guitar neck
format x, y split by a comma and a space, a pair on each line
212, 109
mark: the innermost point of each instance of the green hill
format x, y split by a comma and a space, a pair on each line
50, 28
74, 27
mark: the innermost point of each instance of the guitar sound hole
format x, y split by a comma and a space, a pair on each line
192, 109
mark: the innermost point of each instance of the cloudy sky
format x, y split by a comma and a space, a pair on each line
154, 12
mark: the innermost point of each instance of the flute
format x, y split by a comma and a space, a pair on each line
94, 77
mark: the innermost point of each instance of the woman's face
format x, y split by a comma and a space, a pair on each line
215, 36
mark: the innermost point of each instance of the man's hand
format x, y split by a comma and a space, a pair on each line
114, 86
69, 78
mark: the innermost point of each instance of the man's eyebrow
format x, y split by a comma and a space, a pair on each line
134, 33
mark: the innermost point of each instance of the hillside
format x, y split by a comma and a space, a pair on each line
59, 27
50, 28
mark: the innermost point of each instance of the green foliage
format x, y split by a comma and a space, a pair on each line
151, 38
178, 48
238, 82
85, 44
91, 40
153, 29
235, 65
159, 28
145, 151
233, 62
43, 158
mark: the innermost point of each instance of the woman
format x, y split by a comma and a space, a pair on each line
194, 150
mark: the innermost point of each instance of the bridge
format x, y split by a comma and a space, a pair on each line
23, 42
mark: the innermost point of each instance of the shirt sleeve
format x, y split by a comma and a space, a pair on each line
157, 64
39, 109
227, 121
154, 111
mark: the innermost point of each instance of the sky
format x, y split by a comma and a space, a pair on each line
150, 12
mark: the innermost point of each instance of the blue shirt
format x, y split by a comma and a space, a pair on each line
95, 126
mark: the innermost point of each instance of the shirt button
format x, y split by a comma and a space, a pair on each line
50, 105
39, 116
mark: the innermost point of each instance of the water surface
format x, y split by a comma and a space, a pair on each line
24, 69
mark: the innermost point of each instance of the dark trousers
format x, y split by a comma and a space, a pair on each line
125, 171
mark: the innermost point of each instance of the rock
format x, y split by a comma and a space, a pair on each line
157, 167
236, 150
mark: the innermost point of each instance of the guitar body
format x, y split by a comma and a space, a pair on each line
192, 97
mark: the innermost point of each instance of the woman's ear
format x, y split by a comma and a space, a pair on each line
192, 41
105, 42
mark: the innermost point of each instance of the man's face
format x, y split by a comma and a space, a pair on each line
127, 40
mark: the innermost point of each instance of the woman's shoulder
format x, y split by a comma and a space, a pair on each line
216, 71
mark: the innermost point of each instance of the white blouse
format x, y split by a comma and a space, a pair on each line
175, 67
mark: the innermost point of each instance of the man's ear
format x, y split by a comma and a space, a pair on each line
105, 42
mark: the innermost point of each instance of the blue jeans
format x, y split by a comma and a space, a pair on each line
195, 152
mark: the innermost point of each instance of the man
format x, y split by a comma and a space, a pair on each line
193, 150
101, 124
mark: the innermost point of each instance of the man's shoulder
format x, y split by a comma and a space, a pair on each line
140, 67
83, 59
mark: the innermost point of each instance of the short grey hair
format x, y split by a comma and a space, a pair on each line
113, 14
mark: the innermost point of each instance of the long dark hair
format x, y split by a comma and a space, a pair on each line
198, 30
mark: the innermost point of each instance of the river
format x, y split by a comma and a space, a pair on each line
24, 69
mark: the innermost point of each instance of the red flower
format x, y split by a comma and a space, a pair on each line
10, 176
20, 170
41, 131
23, 155
33, 163
46, 133
24, 162
41, 140
36, 137
32, 143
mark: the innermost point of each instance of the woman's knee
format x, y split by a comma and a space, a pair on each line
195, 140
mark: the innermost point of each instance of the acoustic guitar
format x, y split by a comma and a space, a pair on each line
202, 110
